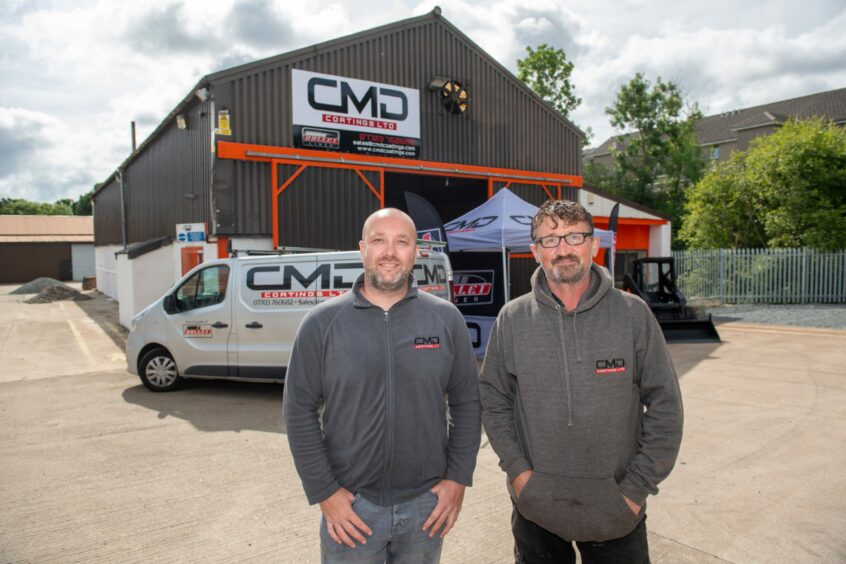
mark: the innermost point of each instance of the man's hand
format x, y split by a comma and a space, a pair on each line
342, 522
450, 497
520, 481
632, 505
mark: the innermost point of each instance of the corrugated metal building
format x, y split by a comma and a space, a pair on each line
236, 155
55, 246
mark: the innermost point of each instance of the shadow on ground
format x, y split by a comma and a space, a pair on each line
212, 405
686, 356
104, 312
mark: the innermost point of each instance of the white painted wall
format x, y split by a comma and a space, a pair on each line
106, 269
659, 240
83, 261
252, 244
143, 280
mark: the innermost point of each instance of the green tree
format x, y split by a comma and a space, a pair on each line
19, 206
547, 71
65, 206
787, 190
82, 206
658, 161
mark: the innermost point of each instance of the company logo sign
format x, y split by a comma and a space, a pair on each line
467, 225
612, 366
354, 105
473, 287
197, 331
430, 234
427, 343
304, 284
321, 138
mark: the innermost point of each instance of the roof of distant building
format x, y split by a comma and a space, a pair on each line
46, 229
723, 127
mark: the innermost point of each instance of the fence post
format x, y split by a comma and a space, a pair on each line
804, 299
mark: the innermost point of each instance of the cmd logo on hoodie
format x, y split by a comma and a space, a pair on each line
427, 343
613, 366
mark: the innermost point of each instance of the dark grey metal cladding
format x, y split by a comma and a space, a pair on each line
535, 194
325, 208
23, 262
165, 183
507, 125
521, 276
107, 215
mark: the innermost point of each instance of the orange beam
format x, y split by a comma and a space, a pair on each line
603, 221
239, 151
372, 189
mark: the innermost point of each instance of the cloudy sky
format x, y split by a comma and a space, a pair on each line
75, 74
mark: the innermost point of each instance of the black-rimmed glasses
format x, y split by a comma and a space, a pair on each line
552, 241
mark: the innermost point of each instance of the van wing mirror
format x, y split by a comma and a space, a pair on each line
169, 304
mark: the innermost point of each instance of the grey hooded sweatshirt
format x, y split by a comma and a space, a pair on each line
588, 399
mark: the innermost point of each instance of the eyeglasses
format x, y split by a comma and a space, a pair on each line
552, 241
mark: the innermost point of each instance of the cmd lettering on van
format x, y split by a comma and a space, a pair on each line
322, 274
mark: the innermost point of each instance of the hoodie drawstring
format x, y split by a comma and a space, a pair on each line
576, 333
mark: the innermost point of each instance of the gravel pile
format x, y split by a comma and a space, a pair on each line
39, 284
815, 315
55, 293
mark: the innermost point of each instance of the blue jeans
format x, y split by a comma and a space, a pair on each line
398, 535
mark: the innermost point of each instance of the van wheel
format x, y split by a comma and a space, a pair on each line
158, 371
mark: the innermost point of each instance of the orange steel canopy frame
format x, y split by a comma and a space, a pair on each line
304, 158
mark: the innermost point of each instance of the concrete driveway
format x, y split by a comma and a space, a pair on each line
95, 468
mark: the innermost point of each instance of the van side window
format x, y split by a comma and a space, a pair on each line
206, 287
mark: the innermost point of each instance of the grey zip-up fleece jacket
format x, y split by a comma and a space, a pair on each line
382, 377
588, 400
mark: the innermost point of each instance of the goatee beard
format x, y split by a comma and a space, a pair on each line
562, 272
388, 286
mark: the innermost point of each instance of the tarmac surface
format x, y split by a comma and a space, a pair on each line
95, 468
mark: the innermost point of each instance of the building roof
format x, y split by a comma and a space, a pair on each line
326, 46
46, 229
721, 128
626, 202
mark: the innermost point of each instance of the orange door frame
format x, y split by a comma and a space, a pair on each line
305, 158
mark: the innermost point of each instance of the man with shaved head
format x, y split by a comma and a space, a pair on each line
389, 458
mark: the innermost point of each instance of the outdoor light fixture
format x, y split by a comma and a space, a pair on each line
454, 97
180, 122
202, 94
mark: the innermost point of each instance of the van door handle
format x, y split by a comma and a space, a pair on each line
254, 325
219, 325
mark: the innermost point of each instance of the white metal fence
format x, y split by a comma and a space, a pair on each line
773, 276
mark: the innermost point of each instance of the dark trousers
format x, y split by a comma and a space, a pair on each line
535, 545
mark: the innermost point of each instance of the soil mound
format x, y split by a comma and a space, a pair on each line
56, 293
39, 284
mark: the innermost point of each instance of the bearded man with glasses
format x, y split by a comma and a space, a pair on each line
580, 402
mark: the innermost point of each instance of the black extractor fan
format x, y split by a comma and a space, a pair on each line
454, 96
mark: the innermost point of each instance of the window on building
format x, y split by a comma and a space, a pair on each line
715, 152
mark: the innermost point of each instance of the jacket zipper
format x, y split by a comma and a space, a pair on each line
389, 412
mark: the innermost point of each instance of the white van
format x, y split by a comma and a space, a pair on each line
236, 318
